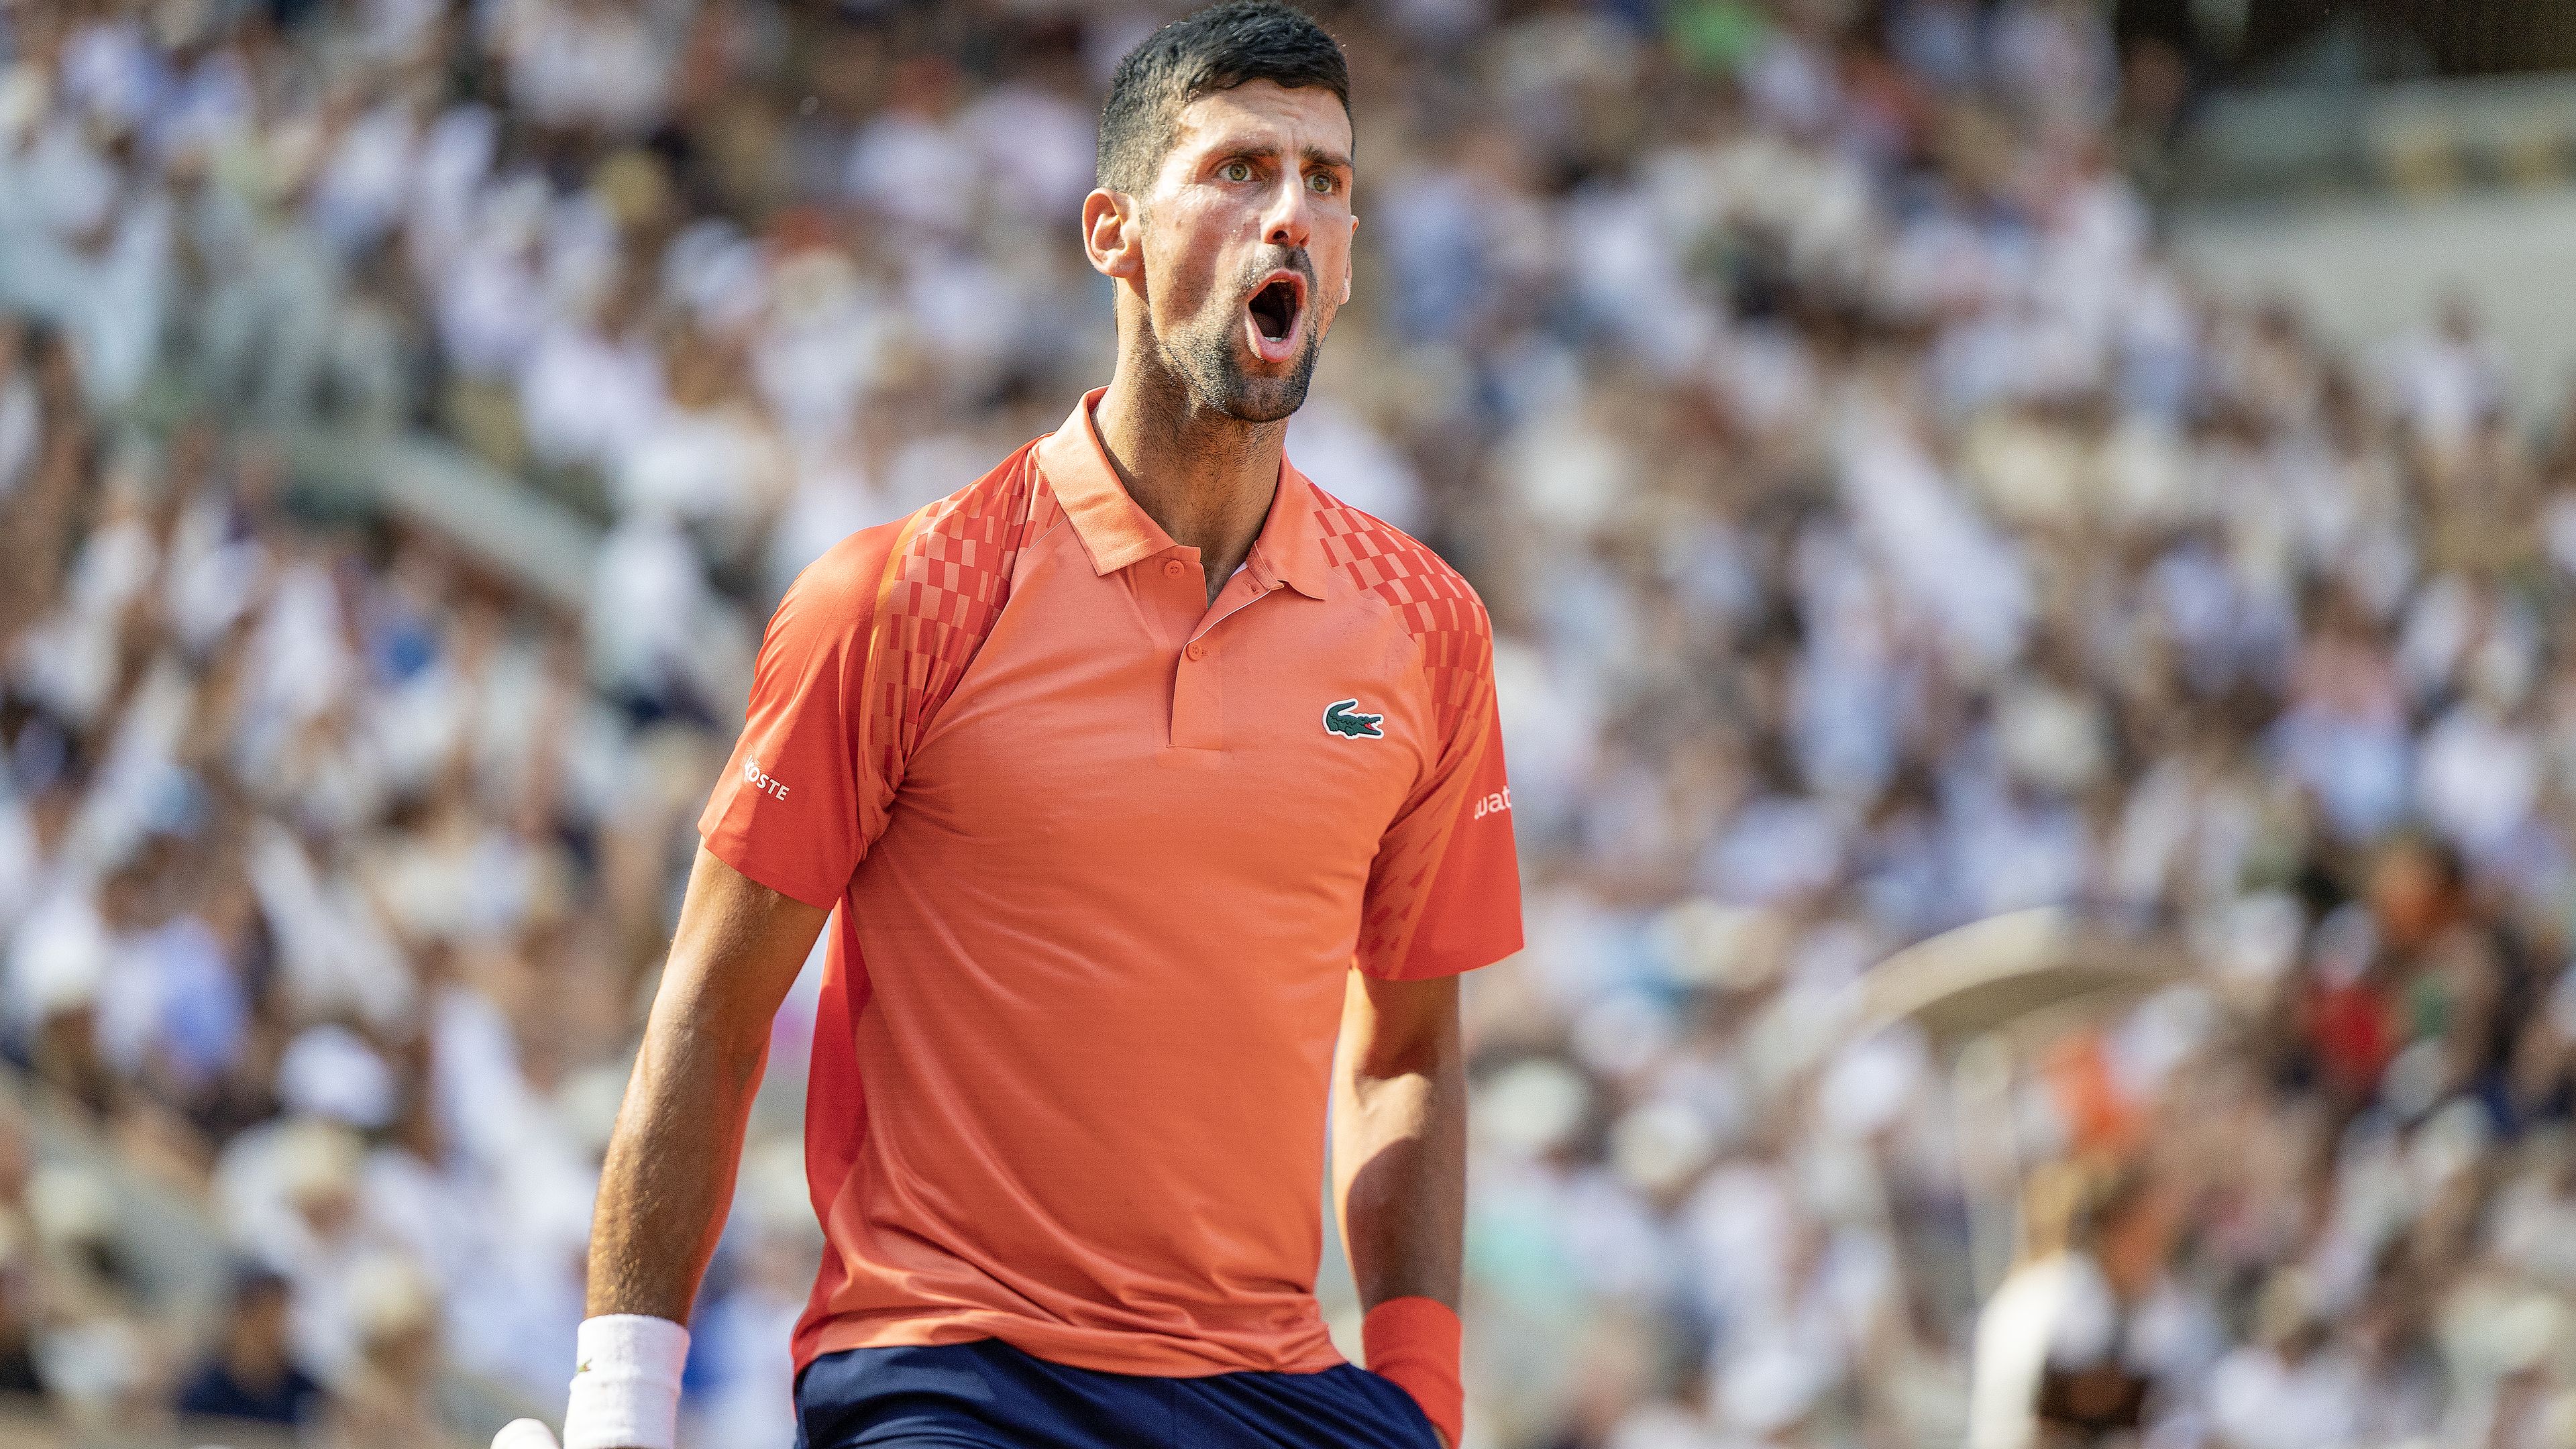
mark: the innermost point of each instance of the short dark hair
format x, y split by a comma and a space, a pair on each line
1217, 49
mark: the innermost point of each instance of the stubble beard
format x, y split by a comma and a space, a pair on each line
1208, 357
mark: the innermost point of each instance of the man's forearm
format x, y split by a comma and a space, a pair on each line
669, 1174
1400, 1147
672, 1157
1400, 1182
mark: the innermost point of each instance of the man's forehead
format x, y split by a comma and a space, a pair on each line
1264, 111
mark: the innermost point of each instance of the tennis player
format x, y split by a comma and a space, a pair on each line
1154, 800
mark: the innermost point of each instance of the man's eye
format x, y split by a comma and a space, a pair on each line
1321, 183
1237, 171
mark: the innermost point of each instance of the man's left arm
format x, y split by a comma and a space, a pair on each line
1444, 897
1400, 1178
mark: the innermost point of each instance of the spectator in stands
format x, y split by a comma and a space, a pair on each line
252, 1373
2069, 1351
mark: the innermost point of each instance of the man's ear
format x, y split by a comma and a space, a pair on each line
1110, 236
1350, 263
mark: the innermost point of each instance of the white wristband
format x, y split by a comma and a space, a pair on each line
626, 1389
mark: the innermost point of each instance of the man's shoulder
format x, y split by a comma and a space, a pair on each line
1384, 562
848, 573
1433, 601
959, 548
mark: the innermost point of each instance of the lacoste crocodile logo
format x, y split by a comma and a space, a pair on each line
1343, 717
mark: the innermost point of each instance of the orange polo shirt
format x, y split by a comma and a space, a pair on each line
1102, 855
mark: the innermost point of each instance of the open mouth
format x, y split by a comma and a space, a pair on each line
1275, 312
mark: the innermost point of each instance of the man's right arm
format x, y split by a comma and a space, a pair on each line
784, 829
669, 1175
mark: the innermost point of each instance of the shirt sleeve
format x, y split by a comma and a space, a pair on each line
799, 803
1444, 893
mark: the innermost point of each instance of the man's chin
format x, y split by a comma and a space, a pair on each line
1257, 392
1263, 399
1226, 380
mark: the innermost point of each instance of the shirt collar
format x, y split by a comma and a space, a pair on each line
1291, 546
1117, 533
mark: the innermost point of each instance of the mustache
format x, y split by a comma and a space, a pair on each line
1293, 259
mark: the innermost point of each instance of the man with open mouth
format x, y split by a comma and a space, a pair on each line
1153, 800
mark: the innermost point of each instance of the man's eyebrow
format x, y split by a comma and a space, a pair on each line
1265, 149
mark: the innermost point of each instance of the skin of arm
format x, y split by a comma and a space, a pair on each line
1400, 1138
669, 1174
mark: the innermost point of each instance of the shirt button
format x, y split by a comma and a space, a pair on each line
1198, 651
1174, 567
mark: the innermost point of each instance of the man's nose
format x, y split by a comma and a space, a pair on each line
1287, 224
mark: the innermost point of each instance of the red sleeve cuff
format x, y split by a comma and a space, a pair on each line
1415, 1342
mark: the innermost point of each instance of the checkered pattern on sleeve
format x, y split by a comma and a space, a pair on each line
946, 579
1449, 624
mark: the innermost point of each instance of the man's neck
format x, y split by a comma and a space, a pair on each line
1206, 478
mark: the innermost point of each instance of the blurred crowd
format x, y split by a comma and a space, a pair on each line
1882, 534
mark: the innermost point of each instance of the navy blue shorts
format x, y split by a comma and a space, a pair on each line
989, 1395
